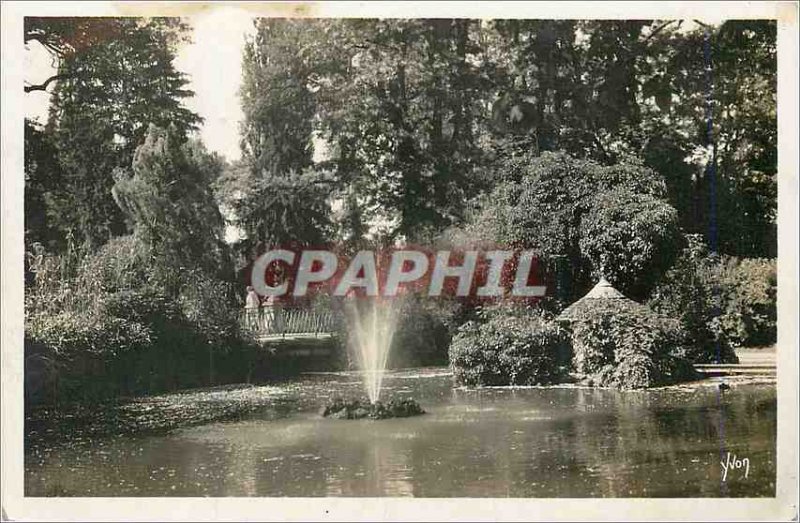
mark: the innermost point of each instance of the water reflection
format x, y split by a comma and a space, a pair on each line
562, 442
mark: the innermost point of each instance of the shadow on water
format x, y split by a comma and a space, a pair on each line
527, 442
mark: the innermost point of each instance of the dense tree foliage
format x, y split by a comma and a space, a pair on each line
583, 219
42, 176
594, 143
630, 238
116, 77
288, 209
401, 112
413, 115
169, 201
129, 281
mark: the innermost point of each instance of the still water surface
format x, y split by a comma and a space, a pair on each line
525, 442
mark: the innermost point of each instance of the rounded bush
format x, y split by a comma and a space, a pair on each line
630, 238
515, 350
339, 408
615, 345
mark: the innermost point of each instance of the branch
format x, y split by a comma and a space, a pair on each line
43, 86
660, 28
51, 45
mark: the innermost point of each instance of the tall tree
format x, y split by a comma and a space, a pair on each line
276, 196
109, 90
746, 135
724, 77
62, 37
403, 109
277, 102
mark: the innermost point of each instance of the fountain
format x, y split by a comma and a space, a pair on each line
372, 324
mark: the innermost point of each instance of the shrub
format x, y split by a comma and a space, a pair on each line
687, 292
423, 331
72, 332
749, 295
119, 323
339, 408
621, 347
721, 302
69, 307
509, 350
209, 304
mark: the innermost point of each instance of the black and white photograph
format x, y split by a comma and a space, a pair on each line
338, 261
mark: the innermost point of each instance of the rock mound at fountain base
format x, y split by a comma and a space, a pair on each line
338, 408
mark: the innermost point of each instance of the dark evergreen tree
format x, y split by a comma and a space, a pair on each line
108, 92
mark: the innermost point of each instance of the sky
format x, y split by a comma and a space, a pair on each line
213, 63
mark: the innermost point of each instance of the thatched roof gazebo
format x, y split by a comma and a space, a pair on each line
602, 291
624, 344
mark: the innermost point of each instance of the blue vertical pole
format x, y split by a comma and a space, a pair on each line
713, 231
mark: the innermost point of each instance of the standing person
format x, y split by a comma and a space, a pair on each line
251, 307
252, 301
268, 314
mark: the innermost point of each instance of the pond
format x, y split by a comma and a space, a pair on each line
495, 442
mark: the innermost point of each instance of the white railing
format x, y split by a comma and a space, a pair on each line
282, 321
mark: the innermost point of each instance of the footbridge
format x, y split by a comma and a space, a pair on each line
269, 324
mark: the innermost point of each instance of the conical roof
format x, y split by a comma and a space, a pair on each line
603, 290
